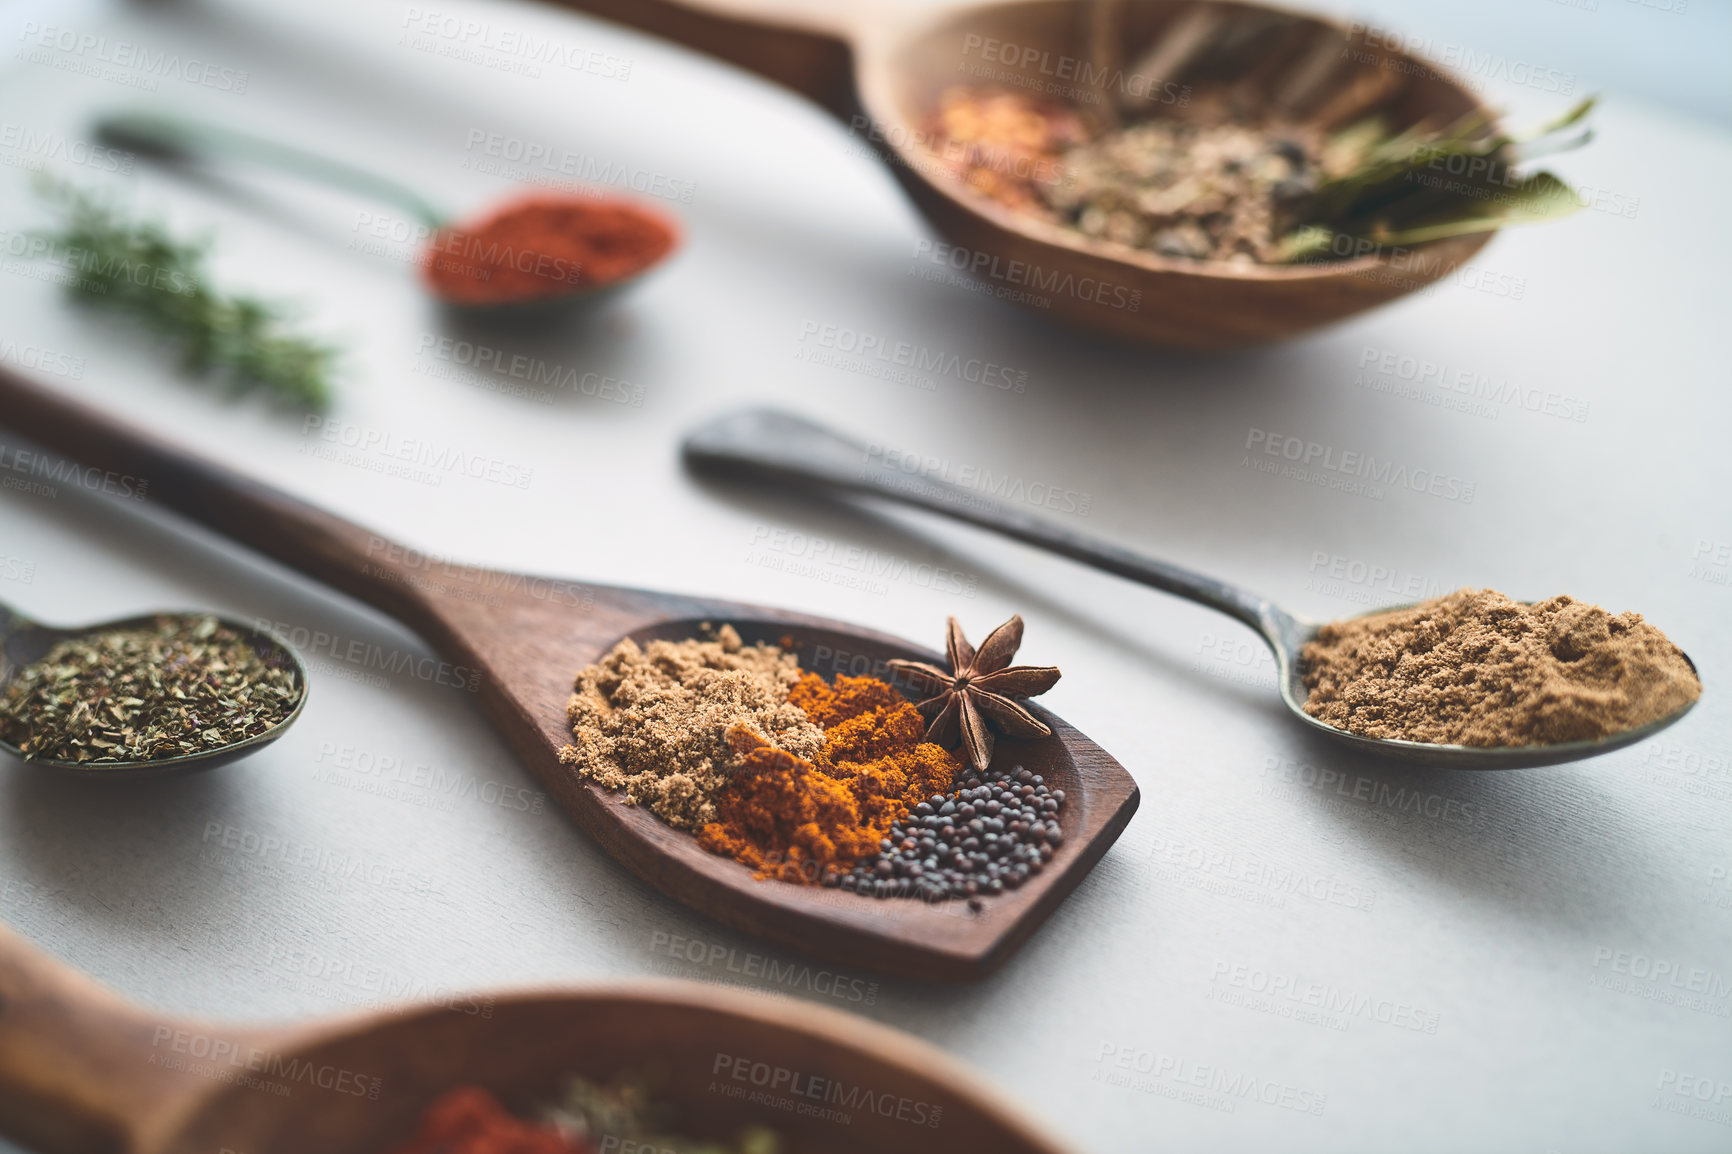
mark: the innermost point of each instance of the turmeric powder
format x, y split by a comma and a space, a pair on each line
797, 819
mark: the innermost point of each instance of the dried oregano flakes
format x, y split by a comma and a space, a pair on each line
173, 686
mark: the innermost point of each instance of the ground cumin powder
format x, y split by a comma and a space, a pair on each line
652, 722
1475, 668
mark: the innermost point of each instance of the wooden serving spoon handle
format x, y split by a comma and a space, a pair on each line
319, 544
805, 45
82, 1072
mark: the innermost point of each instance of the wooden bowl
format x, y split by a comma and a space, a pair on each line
83, 1072
882, 69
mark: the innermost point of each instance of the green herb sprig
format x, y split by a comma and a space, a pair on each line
139, 267
1426, 183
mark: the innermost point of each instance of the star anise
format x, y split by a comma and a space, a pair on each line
978, 691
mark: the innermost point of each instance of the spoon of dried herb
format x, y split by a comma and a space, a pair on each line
164, 693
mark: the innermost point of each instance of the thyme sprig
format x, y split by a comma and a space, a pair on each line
137, 266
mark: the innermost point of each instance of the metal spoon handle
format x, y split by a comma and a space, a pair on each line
777, 446
176, 137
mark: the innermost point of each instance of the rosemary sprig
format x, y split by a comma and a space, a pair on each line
139, 267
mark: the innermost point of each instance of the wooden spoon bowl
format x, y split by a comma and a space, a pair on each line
83, 1072
529, 648
909, 936
881, 71
523, 640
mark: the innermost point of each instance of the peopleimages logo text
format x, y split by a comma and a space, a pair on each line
1057, 282
919, 358
878, 461
1327, 459
829, 1091
1473, 384
226, 1052
527, 50
42, 145
1068, 76
148, 62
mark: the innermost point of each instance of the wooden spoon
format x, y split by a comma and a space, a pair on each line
528, 637
881, 70
83, 1072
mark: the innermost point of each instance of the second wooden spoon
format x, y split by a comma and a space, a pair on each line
83, 1072
528, 637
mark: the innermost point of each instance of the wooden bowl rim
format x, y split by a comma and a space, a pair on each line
923, 1062
874, 50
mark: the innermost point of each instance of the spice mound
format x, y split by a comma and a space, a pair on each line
1227, 177
178, 686
652, 723
1201, 191
998, 829
800, 819
587, 1119
815, 783
544, 247
1475, 668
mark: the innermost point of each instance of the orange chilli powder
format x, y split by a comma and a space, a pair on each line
543, 247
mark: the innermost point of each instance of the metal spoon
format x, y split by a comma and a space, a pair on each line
766, 444
24, 642
178, 139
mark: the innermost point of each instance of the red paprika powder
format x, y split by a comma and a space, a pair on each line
469, 1120
543, 247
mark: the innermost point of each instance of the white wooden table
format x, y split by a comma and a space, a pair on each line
1287, 950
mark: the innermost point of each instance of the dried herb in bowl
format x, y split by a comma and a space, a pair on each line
621, 1117
180, 685
1223, 183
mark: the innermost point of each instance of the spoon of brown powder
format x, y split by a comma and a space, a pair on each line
1469, 681
1477, 669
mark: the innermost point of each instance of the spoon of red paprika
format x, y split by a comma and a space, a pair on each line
534, 251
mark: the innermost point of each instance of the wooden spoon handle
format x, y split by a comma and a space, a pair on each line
805, 45
120, 457
82, 1072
